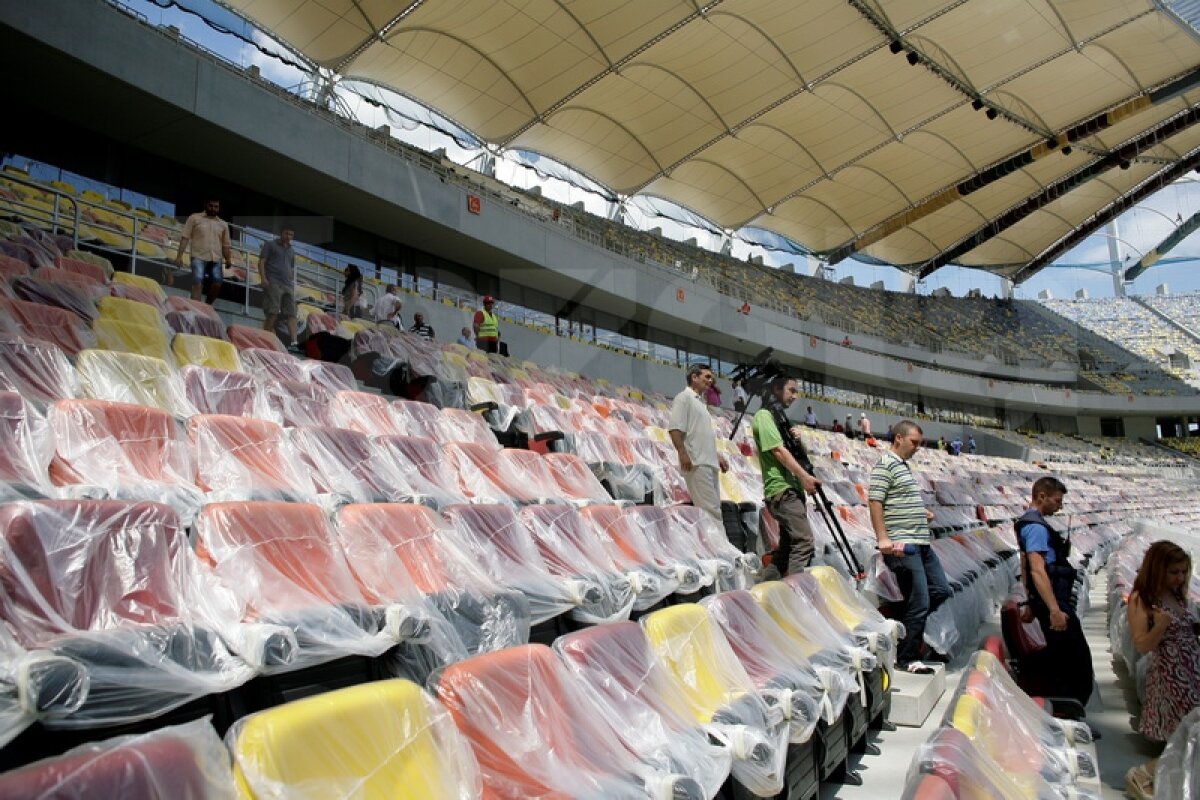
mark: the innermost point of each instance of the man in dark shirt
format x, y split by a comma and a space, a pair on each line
277, 270
420, 327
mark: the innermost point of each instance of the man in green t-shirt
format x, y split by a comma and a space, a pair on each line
785, 481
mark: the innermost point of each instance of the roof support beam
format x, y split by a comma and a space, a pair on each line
1110, 212
1121, 156
1165, 246
1076, 133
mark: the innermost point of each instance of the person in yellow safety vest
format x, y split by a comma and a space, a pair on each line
487, 327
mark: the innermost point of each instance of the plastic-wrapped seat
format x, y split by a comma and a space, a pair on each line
204, 351
239, 458
734, 569
121, 451
47, 323
120, 309
25, 449
219, 391
720, 693
576, 481
419, 419
78, 300
643, 702
243, 337
296, 405
277, 364
425, 471
185, 315
131, 378
1176, 775
536, 733
567, 546
112, 586
37, 369
334, 377
624, 481
148, 286
347, 466
464, 426
623, 541
882, 635
533, 470
672, 549
390, 543
365, 412
382, 739
483, 396
94, 272
280, 565
130, 337
485, 477
181, 762
503, 546
34, 685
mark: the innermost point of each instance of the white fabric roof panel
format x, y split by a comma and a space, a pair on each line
795, 117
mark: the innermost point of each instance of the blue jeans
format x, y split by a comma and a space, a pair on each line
923, 584
206, 272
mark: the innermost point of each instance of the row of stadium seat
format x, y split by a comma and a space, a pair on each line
695, 690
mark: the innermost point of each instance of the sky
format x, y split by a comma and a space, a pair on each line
1138, 230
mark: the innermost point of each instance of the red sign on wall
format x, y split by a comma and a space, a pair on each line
474, 204
680, 295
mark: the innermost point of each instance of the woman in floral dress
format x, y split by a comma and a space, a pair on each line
1163, 625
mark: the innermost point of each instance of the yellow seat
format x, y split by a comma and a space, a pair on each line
836, 593
348, 329
694, 652
776, 598
204, 351
140, 281
131, 378
131, 337
123, 310
304, 309
385, 739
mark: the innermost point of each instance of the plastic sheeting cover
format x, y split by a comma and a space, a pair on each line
576, 481
112, 585
381, 739
345, 464
48, 323
132, 378
37, 369
181, 762
25, 449
219, 391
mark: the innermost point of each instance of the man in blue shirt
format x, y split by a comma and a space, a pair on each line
1064, 667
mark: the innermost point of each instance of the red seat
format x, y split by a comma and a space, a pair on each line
48, 323
139, 294
485, 478
219, 391
112, 585
345, 463
37, 369
76, 299
575, 479
534, 732
930, 787
93, 272
243, 337
195, 325
424, 469
12, 268
25, 448
239, 458
627, 546
130, 450
92, 282
297, 404
185, 762
269, 363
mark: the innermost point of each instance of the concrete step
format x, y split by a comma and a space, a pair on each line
914, 696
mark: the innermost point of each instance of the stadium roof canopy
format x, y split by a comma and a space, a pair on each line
988, 133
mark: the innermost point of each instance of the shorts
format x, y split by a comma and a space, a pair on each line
206, 271
279, 299
488, 345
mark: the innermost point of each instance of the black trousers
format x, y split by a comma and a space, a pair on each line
1064, 667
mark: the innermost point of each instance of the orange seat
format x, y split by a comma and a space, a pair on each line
368, 413
419, 419
243, 336
532, 732
575, 479
246, 459
93, 272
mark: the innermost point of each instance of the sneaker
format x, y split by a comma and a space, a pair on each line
295, 348
917, 668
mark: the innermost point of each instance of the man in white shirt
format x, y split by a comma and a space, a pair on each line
810, 419
692, 434
387, 307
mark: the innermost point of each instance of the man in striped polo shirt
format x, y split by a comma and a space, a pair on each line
901, 525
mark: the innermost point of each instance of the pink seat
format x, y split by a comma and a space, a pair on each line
425, 470
268, 363
219, 391
297, 404
25, 448
48, 323
37, 369
243, 336
344, 463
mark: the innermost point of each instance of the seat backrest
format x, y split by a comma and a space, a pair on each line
243, 337
686, 641
115, 444
278, 556
614, 525
481, 475
419, 419
532, 733
565, 540
182, 761
141, 282
219, 391
361, 411
421, 462
375, 740
25, 447
930, 787
12, 268
78, 300
529, 470
131, 337
37, 369
345, 463
204, 351
88, 565
782, 605
246, 458
334, 377
139, 295
411, 531
459, 425
270, 363
131, 378
48, 323
119, 308
69, 277
297, 404
574, 477
94, 272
